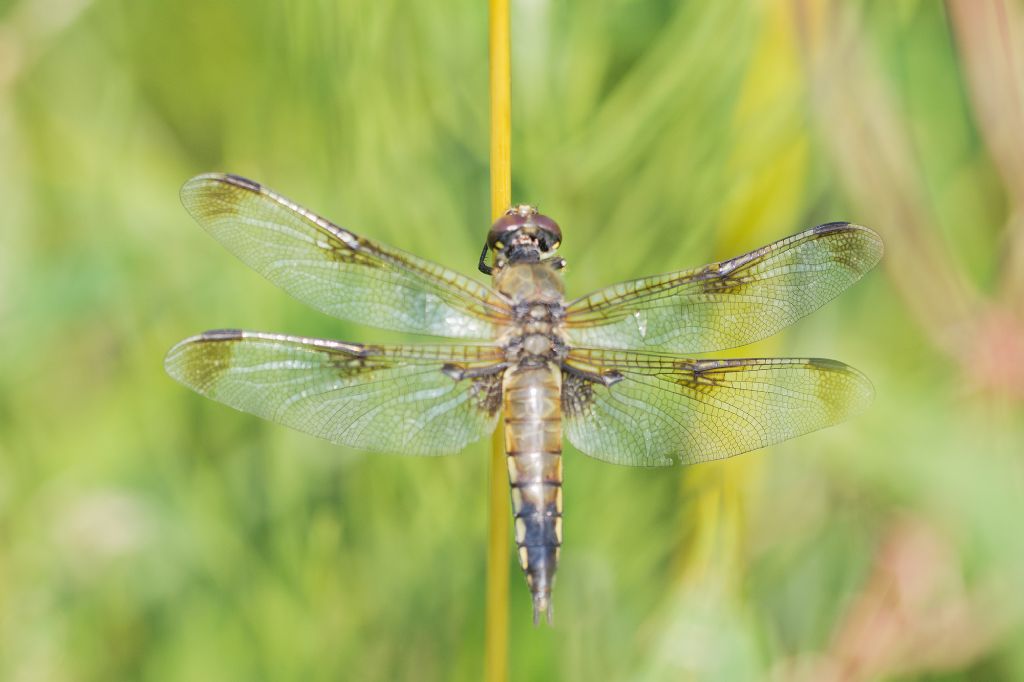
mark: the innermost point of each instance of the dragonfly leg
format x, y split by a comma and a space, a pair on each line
482, 265
458, 373
607, 378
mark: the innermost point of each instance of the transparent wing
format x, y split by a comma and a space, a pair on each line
655, 410
410, 400
336, 271
728, 304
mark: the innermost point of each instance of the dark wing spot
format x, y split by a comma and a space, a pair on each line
831, 365
577, 394
222, 335
349, 249
486, 391
349, 366
244, 183
829, 228
723, 284
340, 252
701, 376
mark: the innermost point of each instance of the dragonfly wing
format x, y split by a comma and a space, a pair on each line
414, 400
644, 409
336, 271
728, 304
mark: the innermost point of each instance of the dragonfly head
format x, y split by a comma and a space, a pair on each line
523, 235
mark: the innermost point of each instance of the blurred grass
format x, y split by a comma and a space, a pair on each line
148, 534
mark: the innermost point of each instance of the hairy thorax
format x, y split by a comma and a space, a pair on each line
534, 336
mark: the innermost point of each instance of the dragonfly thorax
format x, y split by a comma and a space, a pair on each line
535, 349
530, 287
534, 335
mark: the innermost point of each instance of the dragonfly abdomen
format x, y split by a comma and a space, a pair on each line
533, 445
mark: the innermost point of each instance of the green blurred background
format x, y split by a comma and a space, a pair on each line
149, 534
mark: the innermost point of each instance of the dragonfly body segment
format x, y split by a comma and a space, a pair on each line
612, 369
533, 419
533, 448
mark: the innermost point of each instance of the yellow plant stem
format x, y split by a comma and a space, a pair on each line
496, 629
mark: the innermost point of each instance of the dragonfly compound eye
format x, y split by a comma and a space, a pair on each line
503, 229
550, 234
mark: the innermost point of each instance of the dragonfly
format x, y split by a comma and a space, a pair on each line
613, 371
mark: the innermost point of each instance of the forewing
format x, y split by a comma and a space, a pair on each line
652, 410
728, 304
336, 271
402, 399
